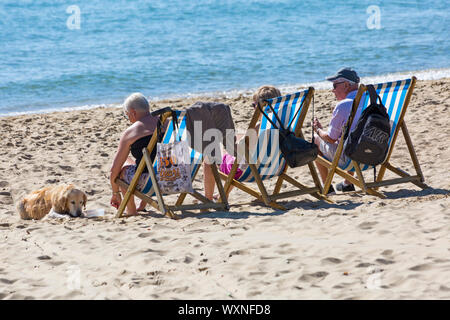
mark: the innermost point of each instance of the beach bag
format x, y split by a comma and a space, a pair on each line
368, 143
296, 151
174, 168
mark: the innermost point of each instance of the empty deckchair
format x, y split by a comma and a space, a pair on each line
265, 160
151, 188
395, 97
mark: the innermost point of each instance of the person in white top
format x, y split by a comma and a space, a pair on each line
345, 86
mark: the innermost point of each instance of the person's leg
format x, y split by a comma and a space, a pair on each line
129, 162
323, 171
208, 180
346, 181
131, 206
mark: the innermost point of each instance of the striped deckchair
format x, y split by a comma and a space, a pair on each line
151, 188
265, 160
395, 97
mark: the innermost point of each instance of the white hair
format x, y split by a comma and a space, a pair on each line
136, 101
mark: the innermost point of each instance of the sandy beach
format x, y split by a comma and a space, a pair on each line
360, 247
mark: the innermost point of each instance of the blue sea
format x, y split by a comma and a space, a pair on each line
57, 55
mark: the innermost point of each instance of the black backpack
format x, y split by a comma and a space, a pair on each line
296, 151
368, 142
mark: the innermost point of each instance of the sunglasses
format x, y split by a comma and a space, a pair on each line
336, 83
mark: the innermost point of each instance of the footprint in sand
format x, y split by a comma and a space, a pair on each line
237, 253
145, 234
331, 260
44, 257
257, 273
254, 293
7, 281
421, 267
364, 265
385, 261
66, 168
367, 225
314, 277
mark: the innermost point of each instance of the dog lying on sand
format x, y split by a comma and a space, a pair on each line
64, 199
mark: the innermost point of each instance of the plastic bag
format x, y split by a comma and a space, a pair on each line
174, 168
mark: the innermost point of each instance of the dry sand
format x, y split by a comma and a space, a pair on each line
361, 247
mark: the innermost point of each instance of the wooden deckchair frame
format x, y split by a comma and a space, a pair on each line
262, 193
371, 188
159, 203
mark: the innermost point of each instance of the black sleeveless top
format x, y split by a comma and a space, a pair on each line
136, 150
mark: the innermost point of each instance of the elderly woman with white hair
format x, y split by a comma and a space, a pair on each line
133, 139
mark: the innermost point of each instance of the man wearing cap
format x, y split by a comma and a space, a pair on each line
345, 86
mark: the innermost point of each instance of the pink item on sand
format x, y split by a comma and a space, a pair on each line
227, 163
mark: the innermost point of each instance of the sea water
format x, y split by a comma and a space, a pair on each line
59, 54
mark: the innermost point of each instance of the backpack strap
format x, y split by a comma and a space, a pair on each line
159, 124
276, 115
267, 117
373, 94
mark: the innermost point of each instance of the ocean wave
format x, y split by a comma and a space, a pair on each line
431, 74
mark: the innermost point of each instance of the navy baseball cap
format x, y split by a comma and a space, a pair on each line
345, 73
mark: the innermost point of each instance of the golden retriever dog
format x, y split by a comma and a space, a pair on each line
64, 199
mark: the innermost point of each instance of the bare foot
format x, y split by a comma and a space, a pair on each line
126, 214
142, 206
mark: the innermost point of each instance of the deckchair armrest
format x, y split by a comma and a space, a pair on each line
161, 111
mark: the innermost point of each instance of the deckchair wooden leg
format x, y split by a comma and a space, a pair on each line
278, 185
130, 190
414, 159
260, 184
147, 199
301, 187
180, 199
315, 176
347, 176
414, 179
362, 183
229, 179
183, 195
139, 194
412, 152
330, 175
223, 196
262, 195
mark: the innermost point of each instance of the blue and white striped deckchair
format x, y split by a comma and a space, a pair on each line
395, 97
151, 189
265, 160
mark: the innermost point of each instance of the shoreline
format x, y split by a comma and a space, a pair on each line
423, 75
359, 247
